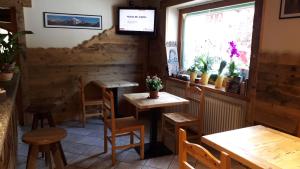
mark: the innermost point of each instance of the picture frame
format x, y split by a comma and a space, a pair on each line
289, 9
72, 21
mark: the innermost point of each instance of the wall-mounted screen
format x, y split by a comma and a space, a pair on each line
136, 21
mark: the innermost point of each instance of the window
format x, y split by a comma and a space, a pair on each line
3, 31
209, 32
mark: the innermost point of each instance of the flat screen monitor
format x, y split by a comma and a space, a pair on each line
136, 21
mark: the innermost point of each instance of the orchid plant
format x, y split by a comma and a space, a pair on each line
232, 68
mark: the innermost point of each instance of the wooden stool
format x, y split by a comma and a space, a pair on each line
45, 140
40, 113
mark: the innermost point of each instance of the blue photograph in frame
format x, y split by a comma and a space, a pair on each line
72, 21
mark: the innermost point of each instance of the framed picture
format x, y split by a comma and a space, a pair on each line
72, 21
289, 9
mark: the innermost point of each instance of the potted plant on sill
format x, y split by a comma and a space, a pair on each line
154, 84
232, 73
219, 81
204, 65
9, 50
193, 71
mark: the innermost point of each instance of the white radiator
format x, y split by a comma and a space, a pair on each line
221, 112
223, 115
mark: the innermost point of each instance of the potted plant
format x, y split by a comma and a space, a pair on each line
193, 70
154, 84
204, 65
219, 81
9, 50
232, 72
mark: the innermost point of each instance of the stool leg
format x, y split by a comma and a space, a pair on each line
34, 123
31, 159
131, 138
62, 154
56, 156
42, 123
48, 159
50, 120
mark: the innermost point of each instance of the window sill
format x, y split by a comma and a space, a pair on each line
211, 88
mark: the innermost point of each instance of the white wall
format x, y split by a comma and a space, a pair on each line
279, 35
58, 37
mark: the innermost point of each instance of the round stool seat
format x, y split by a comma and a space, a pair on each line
40, 108
44, 136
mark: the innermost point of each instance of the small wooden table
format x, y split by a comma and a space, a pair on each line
141, 101
258, 147
114, 86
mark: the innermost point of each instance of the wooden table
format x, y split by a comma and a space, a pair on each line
141, 101
258, 147
114, 86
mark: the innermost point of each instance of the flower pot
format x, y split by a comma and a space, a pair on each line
204, 78
226, 80
6, 76
193, 76
153, 95
219, 82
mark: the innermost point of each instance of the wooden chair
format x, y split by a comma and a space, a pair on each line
199, 153
184, 119
120, 127
91, 100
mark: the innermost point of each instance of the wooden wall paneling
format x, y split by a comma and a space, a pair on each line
278, 91
53, 73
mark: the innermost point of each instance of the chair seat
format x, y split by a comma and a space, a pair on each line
44, 136
125, 123
180, 117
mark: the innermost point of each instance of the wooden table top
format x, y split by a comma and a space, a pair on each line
116, 83
141, 101
258, 147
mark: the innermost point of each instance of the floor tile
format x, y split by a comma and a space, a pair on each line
160, 162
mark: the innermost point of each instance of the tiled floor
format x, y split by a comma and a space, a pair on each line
83, 147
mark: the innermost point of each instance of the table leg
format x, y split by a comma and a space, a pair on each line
116, 102
154, 148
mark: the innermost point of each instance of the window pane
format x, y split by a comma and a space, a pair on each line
3, 31
209, 33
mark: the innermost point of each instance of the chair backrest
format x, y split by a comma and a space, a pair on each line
195, 95
108, 108
89, 90
200, 154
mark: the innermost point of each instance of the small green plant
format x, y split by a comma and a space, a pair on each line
232, 70
203, 63
221, 68
154, 83
9, 49
193, 68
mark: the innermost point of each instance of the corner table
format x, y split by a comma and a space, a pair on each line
258, 147
114, 86
141, 101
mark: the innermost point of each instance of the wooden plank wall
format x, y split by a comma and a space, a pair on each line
52, 73
277, 102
